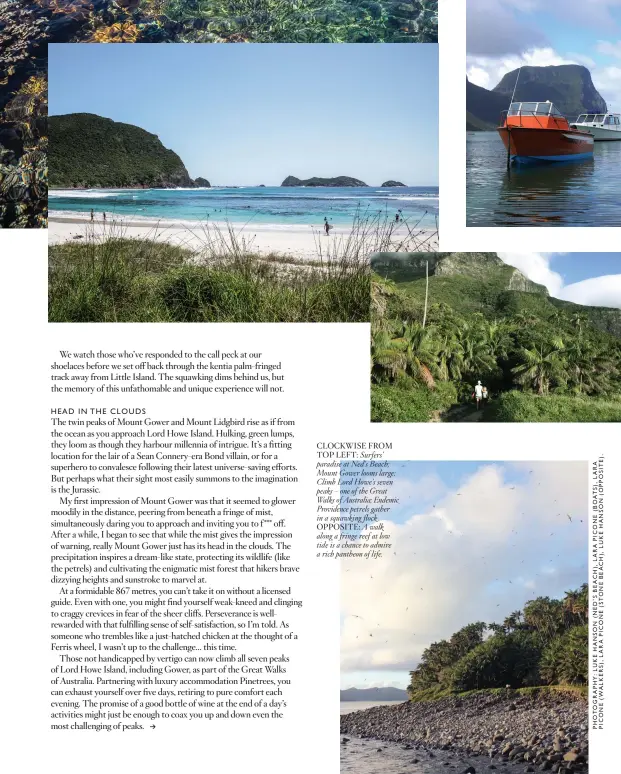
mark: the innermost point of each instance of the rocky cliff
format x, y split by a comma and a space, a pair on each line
88, 151
484, 267
570, 87
333, 182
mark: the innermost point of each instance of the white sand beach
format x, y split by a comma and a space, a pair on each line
301, 242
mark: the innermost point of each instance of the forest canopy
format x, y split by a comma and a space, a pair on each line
546, 643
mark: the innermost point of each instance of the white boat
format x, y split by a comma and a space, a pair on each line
603, 126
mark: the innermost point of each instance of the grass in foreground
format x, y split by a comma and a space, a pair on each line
112, 278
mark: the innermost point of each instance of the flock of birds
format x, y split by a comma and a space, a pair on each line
450, 532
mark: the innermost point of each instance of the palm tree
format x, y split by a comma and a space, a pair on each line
540, 366
405, 349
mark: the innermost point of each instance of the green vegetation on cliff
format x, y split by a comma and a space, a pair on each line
540, 358
88, 151
546, 643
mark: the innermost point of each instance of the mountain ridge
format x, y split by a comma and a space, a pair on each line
471, 282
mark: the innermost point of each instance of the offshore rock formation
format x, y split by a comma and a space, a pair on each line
392, 184
201, 182
333, 182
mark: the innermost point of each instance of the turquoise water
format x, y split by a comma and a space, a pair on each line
278, 206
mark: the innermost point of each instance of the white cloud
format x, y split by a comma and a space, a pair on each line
608, 48
596, 291
488, 71
478, 555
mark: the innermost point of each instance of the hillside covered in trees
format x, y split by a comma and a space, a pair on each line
88, 151
476, 318
546, 643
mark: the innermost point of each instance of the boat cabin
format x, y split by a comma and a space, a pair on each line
610, 121
534, 115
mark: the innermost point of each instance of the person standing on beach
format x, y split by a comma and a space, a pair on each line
104, 217
92, 216
397, 218
326, 225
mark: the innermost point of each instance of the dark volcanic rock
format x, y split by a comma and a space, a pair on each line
201, 182
392, 184
474, 722
333, 182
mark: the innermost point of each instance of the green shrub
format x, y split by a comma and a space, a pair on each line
504, 659
515, 406
565, 660
416, 403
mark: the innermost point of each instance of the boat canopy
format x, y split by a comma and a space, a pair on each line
604, 119
533, 109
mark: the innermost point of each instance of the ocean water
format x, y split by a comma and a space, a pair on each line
356, 706
364, 756
277, 206
573, 193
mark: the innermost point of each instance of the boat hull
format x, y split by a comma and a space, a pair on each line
600, 134
535, 146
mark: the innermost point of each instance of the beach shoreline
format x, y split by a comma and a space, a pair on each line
542, 728
298, 242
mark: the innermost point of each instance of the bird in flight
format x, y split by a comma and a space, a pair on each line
569, 517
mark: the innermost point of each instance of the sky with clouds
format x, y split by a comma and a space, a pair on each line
504, 34
592, 279
471, 542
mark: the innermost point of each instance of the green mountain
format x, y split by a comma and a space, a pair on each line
482, 282
569, 87
88, 151
333, 182
483, 107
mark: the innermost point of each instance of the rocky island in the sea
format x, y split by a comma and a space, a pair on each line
89, 151
392, 184
329, 182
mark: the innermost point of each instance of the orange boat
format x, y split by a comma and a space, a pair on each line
536, 132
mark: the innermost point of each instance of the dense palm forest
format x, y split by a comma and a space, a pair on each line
546, 643
540, 358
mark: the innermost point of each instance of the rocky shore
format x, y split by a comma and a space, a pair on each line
534, 731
